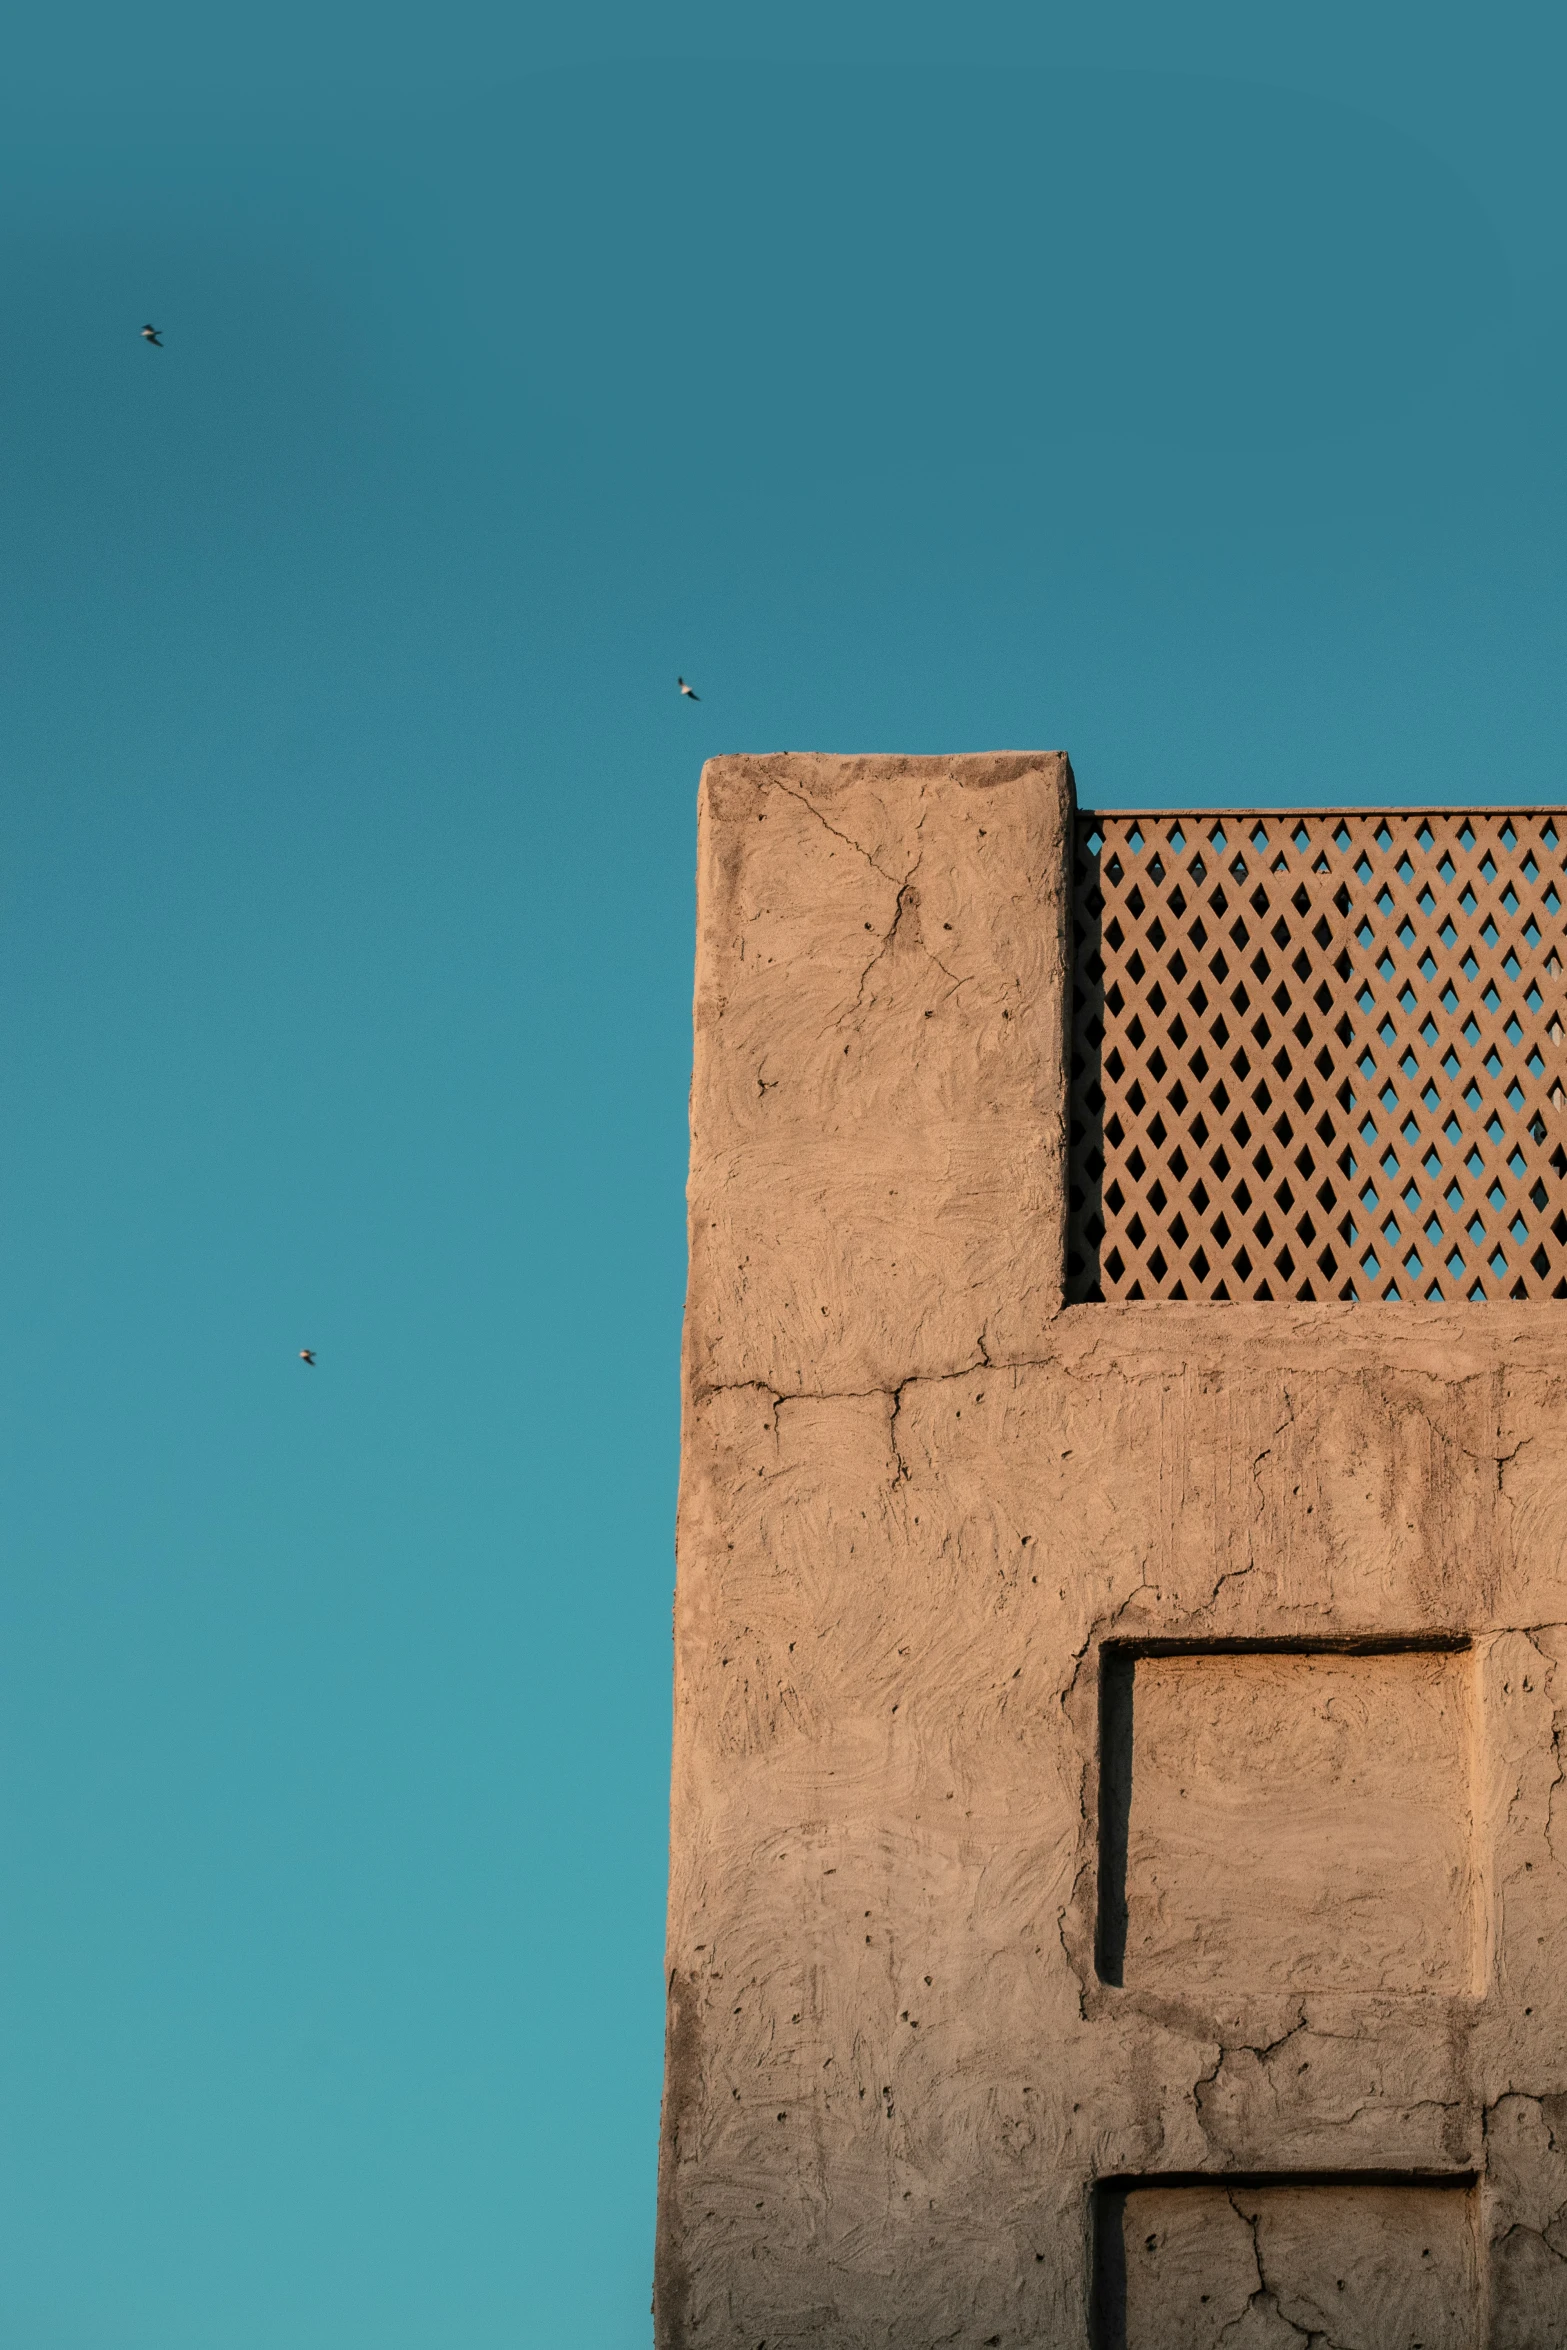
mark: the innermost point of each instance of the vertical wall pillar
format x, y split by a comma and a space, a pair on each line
876, 1199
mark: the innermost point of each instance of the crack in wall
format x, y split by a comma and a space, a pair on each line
1402, 2108
1453, 1441
900, 908
1260, 2049
907, 900
1267, 2296
1266, 1453
1082, 1990
1230, 1575
892, 1430
904, 887
775, 783
702, 1390
1532, 2235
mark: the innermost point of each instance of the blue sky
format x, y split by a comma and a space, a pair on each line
1177, 387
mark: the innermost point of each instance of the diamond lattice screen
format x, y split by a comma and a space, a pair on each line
1319, 1056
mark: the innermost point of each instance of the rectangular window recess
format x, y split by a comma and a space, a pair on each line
1292, 1033
1378, 2258
1286, 1817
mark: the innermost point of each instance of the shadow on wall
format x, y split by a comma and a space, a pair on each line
1085, 1092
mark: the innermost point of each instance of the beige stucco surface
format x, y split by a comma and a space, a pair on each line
1301, 1822
920, 1504
1271, 2268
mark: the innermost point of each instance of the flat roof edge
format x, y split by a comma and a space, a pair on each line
1367, 808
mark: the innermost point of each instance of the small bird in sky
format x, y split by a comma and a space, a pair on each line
150, 334
689, 691
307, 1356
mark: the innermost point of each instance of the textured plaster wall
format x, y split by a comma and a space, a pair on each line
922, 2087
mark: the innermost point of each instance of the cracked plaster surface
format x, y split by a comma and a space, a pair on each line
917, 1500
880, 982
1320, 2267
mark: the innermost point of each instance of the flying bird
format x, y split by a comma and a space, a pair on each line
690, 692
150, 334
306, 1356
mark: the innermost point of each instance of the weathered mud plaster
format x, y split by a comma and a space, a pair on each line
912, 2090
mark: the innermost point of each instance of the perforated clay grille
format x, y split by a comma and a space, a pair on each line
1319, 1056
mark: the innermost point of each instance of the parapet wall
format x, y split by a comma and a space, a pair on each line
1113, 1896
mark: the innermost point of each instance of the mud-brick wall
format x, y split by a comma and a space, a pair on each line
1118, 1890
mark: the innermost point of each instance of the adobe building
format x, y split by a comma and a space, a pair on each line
1118, 1889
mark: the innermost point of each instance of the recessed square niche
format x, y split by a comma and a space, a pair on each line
1286, 1819
1215, 2263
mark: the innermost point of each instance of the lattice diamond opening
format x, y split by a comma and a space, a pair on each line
1319, 1055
